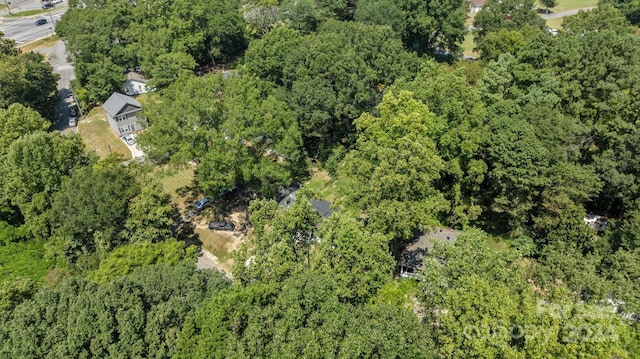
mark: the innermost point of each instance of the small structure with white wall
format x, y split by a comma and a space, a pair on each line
135, 84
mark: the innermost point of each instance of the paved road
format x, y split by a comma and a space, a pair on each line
24, 29
58, 59
560, 14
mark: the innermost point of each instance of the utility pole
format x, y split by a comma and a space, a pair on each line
8, 8
52, 23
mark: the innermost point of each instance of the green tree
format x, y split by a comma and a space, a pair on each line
389, 175
380, 12
93, 204
150, 216
434, 25
138, 315
17, 121
604, 17
447, 94
258, 144
34, 169
27, 79
282, 242
549, 4
331, 77
508, 14
359, 262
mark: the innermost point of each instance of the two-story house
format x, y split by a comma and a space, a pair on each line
123, 114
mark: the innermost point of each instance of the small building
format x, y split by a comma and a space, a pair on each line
411, 258
135, 84
476, 5
321, 206
123, 114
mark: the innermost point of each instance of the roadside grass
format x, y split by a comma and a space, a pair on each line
29, 13
555, 23
39, 44
97, 135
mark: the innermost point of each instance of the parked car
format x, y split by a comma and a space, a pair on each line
47, 5
222, 226
73, 122
56, 2
129, 140
72, 111
41, 22
202, 203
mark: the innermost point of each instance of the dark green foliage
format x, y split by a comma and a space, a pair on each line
303, 319
16, 291
507, 14
27, 79
604, 17
434, 25
331, 77
165, 38
91, 208
138, 315
33, 170
630, 8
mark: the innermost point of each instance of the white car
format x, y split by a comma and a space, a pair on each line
56, 1
73, 122
129, 140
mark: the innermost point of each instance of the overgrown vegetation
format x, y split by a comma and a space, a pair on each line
347, 98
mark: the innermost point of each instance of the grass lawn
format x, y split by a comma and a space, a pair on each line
97, 135
468, 45
555, 23
39, 44
324, 185
177, 183
220, 244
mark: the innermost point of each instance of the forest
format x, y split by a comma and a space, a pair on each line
512, 149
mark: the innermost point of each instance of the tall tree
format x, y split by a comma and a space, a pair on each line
508, 14
27, 79
390, 173
138, 315
91, 209
17, 121
434, 25
34, 168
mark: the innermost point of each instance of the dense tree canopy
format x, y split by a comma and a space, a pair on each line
105, 38
27, 79
138, 315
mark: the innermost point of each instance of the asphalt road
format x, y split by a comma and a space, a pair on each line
24, 29
560, 14
57, 57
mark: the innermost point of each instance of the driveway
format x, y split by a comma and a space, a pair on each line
136, 153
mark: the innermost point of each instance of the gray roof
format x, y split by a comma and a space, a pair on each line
117, 102
413, 253
321, 206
